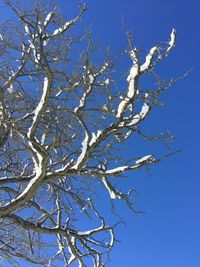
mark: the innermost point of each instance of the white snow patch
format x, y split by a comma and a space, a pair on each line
112, 194
112, 238
134, 71
138, 117
107, 81
85, 94
83, 153
89, 232
45, 42
26, 28
40, 105
48, 18
10, 89
59, 93
143, 159
127, 134
172, 40
149, 58
38, 173
95, 137
63, 28
116, 170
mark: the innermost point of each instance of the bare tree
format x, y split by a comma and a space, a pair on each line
63, 120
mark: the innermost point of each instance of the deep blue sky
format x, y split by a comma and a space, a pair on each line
168, 235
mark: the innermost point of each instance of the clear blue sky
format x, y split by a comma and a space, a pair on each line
168, 235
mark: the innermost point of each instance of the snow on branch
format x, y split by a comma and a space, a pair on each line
48, 18
66, 26
29, 190
39, 160
139, 163
85, 144
41, 105
15, 74
172, 40
135, 73
84, 149
99, 173
149, 58
86, 93
171, 45
65, 120
141, 115
112, 191
132, 84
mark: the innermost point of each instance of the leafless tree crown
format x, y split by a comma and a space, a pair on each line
62, 121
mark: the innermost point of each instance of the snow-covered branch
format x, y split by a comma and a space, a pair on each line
67, 25
172, 40
41, 106
132, 84
65, 127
